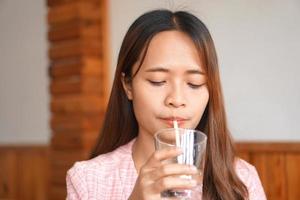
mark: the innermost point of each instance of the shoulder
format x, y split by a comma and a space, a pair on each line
244, 169
87, 179
249, 176
104, 164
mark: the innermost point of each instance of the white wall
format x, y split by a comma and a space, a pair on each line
24, 96
259, 48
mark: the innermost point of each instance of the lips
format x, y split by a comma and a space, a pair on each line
169, 121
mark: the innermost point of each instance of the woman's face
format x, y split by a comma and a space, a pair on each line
170, 85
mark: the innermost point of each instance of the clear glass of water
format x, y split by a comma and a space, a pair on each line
193, 144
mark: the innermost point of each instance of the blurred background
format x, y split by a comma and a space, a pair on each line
57, 60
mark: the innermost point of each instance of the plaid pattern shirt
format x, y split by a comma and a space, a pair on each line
112, 176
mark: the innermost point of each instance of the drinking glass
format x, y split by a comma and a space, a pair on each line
193, 145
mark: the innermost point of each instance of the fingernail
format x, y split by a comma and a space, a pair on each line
179, 150
193, 182
193, 168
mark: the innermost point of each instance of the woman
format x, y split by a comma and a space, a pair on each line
167, 70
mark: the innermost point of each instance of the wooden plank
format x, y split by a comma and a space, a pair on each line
26, 178
29, 148
72, 123
41, 176
66, 158
33, 175
62, 160
74, 30
52, 3
77, 85
23, 172
78, 104
244, 155
79, 140
73, 48
80, 10
57, 192
271, 169
293, 176
59, 175
257, 146
83, 66
8, 174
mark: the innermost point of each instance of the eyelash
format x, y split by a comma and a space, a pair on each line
160, 83
156, 83
193, 86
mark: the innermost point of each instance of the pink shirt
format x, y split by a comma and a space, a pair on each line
112, 176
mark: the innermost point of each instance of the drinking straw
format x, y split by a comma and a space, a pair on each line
175, 125
177, 138
190, 135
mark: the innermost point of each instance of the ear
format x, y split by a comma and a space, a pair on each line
127, 87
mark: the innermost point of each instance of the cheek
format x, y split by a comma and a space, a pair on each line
145, 97
146, 107
199, 105
142, 98
144, 104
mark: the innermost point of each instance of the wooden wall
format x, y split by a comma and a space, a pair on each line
24, 171
278, 165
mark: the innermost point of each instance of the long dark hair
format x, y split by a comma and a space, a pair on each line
120, 125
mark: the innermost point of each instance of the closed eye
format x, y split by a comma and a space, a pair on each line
156, 83
195, 86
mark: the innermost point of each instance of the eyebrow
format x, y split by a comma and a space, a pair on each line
195, 71
161, 69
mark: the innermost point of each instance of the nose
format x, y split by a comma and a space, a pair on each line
175, 98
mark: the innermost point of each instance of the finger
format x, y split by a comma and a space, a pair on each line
157, 157
174, 182
163, 154
170, 170
198, 177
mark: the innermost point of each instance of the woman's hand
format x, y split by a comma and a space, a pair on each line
156, 176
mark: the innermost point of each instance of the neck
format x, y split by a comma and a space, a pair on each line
142, 149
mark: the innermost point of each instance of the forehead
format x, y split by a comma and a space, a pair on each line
172, 49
